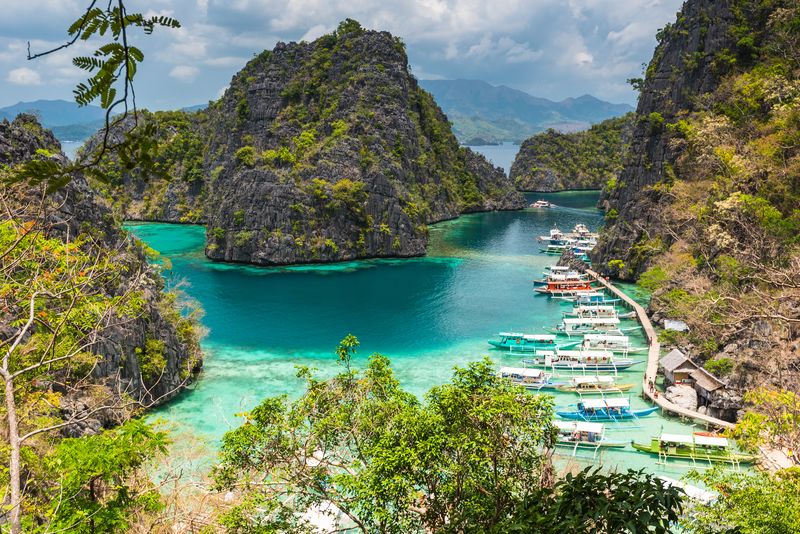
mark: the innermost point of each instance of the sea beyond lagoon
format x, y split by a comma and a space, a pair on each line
426, 314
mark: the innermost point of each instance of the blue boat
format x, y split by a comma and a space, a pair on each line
518, 342
605, 410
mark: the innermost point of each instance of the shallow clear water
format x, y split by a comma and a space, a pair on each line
427, 314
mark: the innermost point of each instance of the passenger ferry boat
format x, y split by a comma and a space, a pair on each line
556, 237
565, 287
528, 378
580, 360
591, 298
599, 311
593, 385
569, 276
605, 410
541, 204
590, 325
697, 447
609, 342
583, 435
518, 342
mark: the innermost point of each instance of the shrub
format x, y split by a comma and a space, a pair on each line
151, 359
246, 156
720, 367
238, 217
242, 238
653, 278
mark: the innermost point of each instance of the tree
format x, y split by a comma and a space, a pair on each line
472, 457
592, 502
774, 420
748, 503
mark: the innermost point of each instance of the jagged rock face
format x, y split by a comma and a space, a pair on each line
330, 151
67, 213
673, 85
683, 396
553, 161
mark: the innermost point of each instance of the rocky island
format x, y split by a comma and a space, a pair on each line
317, 152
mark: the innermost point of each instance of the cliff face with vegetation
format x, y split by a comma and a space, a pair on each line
317, 152
705, 212
150, 355
590, 159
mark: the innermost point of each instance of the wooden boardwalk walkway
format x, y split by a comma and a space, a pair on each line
653, 355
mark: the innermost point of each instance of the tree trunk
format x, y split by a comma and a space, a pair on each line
14, 468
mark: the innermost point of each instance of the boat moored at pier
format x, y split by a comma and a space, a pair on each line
697, 447
614, 409
528, 378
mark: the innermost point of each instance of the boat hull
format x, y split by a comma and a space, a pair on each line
731, 458
625, 416
592, 444
599, 391
569, 366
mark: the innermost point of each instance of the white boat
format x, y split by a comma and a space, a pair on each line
583, 435
593, 361
609, 342
590, 325
595, 311
581, 229
593, 385
541, 204
528, 378
556, 236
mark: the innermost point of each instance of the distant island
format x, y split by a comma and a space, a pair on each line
480, 111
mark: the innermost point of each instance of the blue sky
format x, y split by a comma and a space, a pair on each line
550, 48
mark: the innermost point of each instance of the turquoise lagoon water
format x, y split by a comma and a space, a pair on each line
501, 155
426, 314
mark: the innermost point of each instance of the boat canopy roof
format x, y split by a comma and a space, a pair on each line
511, 334
587, 353
711, 441
522, 371
593, 379
580, 426
540, 337
676, 438
606, 337
604, 307
606, 403
559, 268
591, 320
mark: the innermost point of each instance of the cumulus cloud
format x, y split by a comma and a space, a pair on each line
24, 76
184, 73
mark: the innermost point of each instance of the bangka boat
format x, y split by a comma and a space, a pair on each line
541, 204
582, 230
589, 325
565, 287
556, 235
593, 385
580, 360
609, 342
605, 410
554, 249
583, 435
570, 276
604, 310
529, 378
518, 342
712, 449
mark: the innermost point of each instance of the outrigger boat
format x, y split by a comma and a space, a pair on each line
609, 342
605, 410
528, 378
697, 447
555, 249
580, 360
565, 287
593, 385
605, 310
590, 325
581, 230
556, 237
581, 434
541, 204
590, 298
571, 276
517, 342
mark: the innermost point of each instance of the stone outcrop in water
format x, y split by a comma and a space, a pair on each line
324, 151
69, 213
590, 159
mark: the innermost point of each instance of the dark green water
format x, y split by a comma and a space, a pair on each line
427, 314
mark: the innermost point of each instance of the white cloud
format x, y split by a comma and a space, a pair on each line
184, 73
24, 76
226, 61
314, 32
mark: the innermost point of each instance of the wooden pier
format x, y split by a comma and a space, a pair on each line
653, 355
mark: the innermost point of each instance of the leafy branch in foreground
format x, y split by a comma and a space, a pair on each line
111, 68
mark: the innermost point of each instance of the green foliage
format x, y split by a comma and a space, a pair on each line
246, 155
349, 27
218, 233
656, 121
590, 501
720, 367
98, 490
350, 194
653, 278
151, 359
242, 238
338, 128
612, 214
280, 157
752, 502
304, 141
318, 188
238, 217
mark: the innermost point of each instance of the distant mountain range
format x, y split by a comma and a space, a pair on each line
480, 111
68, 120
